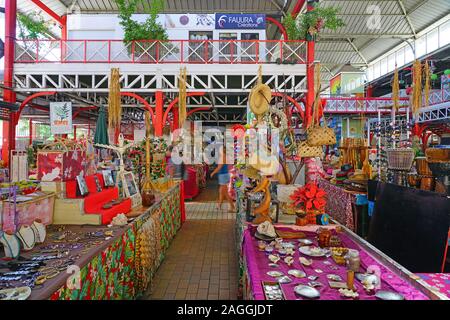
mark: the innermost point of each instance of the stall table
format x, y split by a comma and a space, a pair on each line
120, 266
394, 277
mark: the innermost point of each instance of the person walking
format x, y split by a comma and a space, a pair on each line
223, 176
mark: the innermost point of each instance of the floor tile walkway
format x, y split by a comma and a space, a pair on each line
200, 264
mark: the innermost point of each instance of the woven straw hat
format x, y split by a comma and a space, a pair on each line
266, 166
259, 99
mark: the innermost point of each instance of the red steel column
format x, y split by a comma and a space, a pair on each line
159, 113
9, 129
31, 131
310, 95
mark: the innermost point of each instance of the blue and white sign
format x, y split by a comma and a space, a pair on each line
240, 21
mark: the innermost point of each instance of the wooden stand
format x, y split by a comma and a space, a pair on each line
71, 211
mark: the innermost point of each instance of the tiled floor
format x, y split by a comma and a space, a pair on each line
200, 264
208, 210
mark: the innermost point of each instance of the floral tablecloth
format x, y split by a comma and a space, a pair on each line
124, 270
340, 203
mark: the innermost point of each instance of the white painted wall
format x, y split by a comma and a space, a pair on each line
106, 26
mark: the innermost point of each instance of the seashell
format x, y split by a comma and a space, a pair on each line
297, 273
290, 251
275, 274
268, 249
307, 292
306, 262
289, 260
274, 258
334, 277
348, 293
261, 245
284, 279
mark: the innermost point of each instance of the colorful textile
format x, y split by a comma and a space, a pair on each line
257, 268
125, 269
26, 212
339, 203
108, 276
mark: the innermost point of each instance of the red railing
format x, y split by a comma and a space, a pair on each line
151, 51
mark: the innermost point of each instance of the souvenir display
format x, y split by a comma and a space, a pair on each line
332, 156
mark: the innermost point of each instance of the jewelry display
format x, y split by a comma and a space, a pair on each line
27, 237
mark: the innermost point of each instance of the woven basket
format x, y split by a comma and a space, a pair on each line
321, 136
305, 150
400, 158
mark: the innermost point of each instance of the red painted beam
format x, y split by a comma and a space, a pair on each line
196, 110
175, 101
292, 100
280, 27
49, 11
297, 8
142, 100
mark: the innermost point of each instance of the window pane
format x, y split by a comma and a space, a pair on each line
444, 34
369, 73
383, 66
421, 46
432, 40
401, 57
376, 70
409, 54
391, 62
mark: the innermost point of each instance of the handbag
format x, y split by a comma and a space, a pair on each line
318, 135
305, 150
321, 135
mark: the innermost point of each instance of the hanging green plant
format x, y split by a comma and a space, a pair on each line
150, 29
32, 26
311, 23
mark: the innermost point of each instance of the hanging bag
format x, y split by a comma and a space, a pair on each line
318, 135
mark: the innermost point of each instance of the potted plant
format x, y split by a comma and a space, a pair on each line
311, 23
309, 201
142, 38
31, 27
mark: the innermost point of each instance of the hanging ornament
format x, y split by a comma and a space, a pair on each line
395, 91
427, 88
416, 102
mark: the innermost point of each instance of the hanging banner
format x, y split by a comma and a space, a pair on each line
240, 21
61, 117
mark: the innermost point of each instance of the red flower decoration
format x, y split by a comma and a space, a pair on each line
309, 197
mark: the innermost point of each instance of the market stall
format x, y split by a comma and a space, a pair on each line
102, 262
321, 272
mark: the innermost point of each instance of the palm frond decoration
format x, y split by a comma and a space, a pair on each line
114, 107
396, 90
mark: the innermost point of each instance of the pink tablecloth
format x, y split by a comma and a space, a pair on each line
439, 281
40, 208
257, 268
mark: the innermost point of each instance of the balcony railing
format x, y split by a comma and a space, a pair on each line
150, 51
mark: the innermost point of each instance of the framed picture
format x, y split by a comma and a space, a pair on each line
108, 178
82, 186
130, 184
131, 189
98, 186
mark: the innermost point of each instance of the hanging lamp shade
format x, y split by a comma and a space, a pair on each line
101, 129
